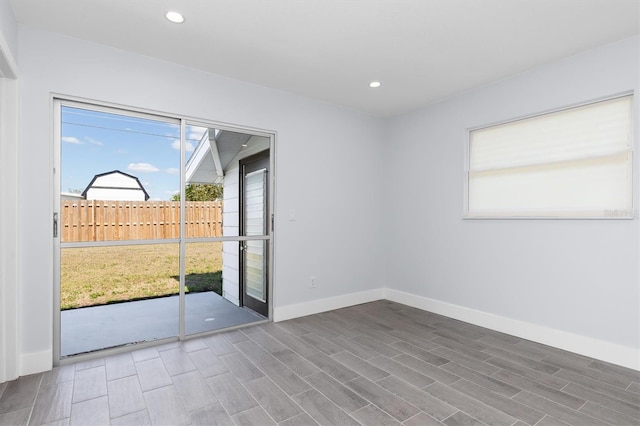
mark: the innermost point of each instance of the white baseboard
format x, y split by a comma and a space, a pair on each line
606, 351
595, 348
36, 362
322, 305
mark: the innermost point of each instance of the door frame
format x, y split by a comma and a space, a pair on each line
57, 100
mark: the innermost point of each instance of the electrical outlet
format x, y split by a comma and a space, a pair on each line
313, 282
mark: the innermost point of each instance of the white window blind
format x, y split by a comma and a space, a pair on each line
572, 163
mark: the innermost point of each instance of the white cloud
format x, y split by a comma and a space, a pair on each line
196, 133
188, 147
172, 171
72, 139
142, 167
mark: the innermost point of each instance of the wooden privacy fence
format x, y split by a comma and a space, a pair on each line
97, 220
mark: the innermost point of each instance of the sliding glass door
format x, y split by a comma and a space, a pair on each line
150, 225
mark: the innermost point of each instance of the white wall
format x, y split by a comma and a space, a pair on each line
327, 166
9, 296
9, 336
8, 40
577, 277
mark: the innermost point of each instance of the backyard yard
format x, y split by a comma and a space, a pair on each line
99, 275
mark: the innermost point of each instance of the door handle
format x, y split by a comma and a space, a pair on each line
55, 225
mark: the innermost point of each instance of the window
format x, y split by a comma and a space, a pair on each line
571, 163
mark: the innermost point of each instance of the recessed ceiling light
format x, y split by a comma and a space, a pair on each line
375, 84
175, 17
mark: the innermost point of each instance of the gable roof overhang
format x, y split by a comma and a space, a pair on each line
213, 155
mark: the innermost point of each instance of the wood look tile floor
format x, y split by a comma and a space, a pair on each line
379, 363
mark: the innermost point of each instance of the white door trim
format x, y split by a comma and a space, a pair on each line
9, 276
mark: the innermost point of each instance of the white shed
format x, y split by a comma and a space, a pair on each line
115, 186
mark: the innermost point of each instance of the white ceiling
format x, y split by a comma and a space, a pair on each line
421, 50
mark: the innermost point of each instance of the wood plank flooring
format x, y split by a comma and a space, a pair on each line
379, 363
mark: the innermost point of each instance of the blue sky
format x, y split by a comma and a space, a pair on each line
96, 142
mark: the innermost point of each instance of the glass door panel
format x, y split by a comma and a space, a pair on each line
216, 212
119, 171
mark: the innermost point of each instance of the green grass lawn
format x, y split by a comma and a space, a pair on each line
99, 275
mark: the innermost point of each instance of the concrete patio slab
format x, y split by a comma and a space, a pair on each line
100, 327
